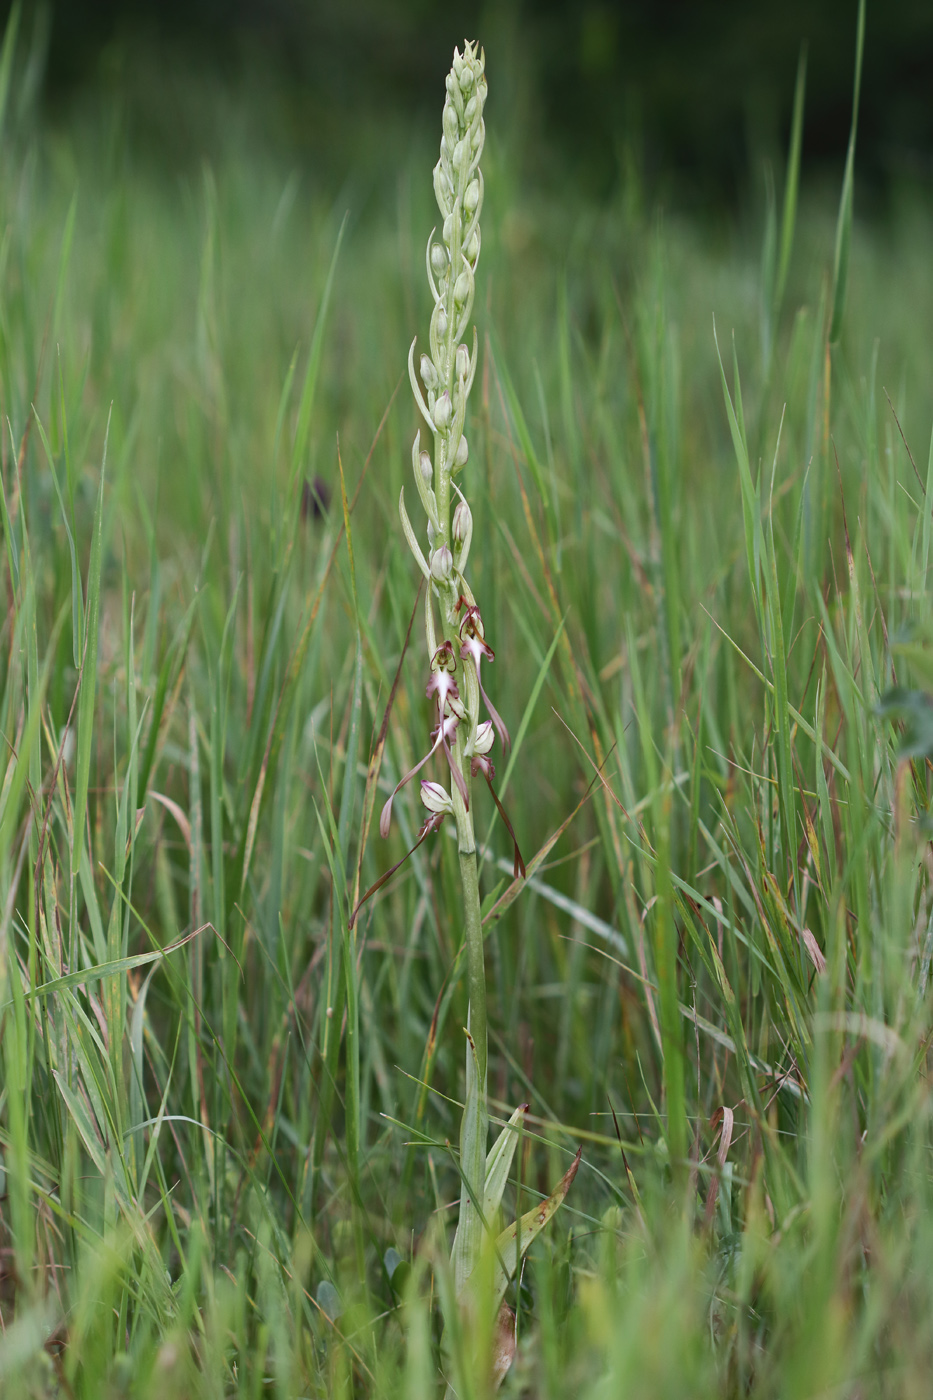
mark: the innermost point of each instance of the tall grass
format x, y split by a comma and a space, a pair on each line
708, 562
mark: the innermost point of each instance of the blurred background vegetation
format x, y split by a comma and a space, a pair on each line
692, 92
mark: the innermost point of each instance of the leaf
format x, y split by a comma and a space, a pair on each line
468, 1241
499, 1162
529, 708
791, 183
328, 1300
750, 509
306, 403
521, 428
844, 221
398, 1271
498, 1166
88, 680
84, 1123
503, 1352
513, 1244
915, 709
6, 58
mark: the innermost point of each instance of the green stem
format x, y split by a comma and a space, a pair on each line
476, 969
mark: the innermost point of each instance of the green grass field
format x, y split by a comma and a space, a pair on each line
707, 588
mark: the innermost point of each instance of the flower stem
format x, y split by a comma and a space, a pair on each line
476, 968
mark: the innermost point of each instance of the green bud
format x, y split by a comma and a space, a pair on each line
463, 452
462, 362
442, 410
442, 563
438, 259
425, 464
471, 198
463, 520
462, 287
428, 372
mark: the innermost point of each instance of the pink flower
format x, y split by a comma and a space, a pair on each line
442, 686
441, 735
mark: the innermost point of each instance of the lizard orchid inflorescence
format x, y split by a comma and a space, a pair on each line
465, 724
456, 651
447, 375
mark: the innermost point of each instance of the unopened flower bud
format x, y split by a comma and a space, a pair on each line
442, 323
463, 452
442, 410
462, 363
472, 247
469, 110
435, 798
428, 372
438, 259
462, 287
458, 154
443, 183
471, 198
427, 469
448, 228
450, 122
485, 738
462, 525
442, 562
465, 76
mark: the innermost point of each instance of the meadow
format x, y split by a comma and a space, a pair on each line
701, 478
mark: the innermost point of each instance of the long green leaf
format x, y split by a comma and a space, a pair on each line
309, 386
468, 1241
515, 1241
88, 682
791, 184
6, 58
844, 220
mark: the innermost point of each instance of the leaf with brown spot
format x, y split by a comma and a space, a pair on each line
514, 1242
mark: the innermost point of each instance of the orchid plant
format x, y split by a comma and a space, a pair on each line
465, 723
